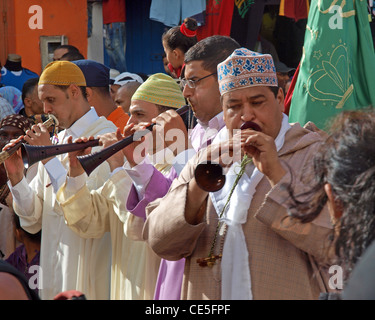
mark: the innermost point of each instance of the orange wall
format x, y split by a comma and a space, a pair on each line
60, 17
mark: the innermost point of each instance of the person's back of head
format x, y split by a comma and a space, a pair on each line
142, 75
211, 51
124, 78
97, 77
63, 49
14, 285
348, 165
22, 235
28, 87
176, 41
345, 166
72, 56
96, 74
33, 106
124, 94
11, 288
182, 37
68, 47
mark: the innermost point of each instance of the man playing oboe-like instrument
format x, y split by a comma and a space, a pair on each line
245, 247
67, 261
134, 266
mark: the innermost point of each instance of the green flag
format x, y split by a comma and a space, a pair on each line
337, 68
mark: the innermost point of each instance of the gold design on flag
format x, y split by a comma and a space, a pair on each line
317, 54
332, 81
314, 33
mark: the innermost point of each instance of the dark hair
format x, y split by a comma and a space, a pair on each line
211, 51
275, 90
72, 56
28, 87
32, 237
173, 37
68, 47
162, 109
346, 161
102, 91
64, 88
142, 75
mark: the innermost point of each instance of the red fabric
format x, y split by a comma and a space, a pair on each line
295, 9
218, 19
186, 32
114, 11
170, 67
289, 94
176, 72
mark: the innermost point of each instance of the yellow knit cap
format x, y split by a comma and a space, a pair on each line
62, 73
160, 89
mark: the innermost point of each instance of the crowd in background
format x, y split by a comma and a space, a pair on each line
294, 199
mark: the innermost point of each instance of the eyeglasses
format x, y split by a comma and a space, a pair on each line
192, 83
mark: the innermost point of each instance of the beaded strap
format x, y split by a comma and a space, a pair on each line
210, 260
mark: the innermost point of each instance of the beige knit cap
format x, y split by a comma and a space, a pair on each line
160, 89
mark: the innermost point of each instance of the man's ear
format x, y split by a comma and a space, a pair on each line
178, 53
89, 94
27, 102
18, 234
75, 91
333, 204
280, 98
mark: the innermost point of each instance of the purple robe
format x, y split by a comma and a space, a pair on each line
18, 259
169, 281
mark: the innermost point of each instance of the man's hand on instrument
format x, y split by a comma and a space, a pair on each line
75, 168
117, 160
172, 131
136, 151
38, 135
262, 149
225, 153
14, 165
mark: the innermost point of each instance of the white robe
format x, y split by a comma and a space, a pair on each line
134, 265
90, 214
67, 261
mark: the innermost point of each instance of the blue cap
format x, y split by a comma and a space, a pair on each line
96, 74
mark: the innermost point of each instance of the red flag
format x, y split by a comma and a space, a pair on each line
295, 9
289, 94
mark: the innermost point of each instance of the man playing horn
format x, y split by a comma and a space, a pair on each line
245, 247
67, 261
